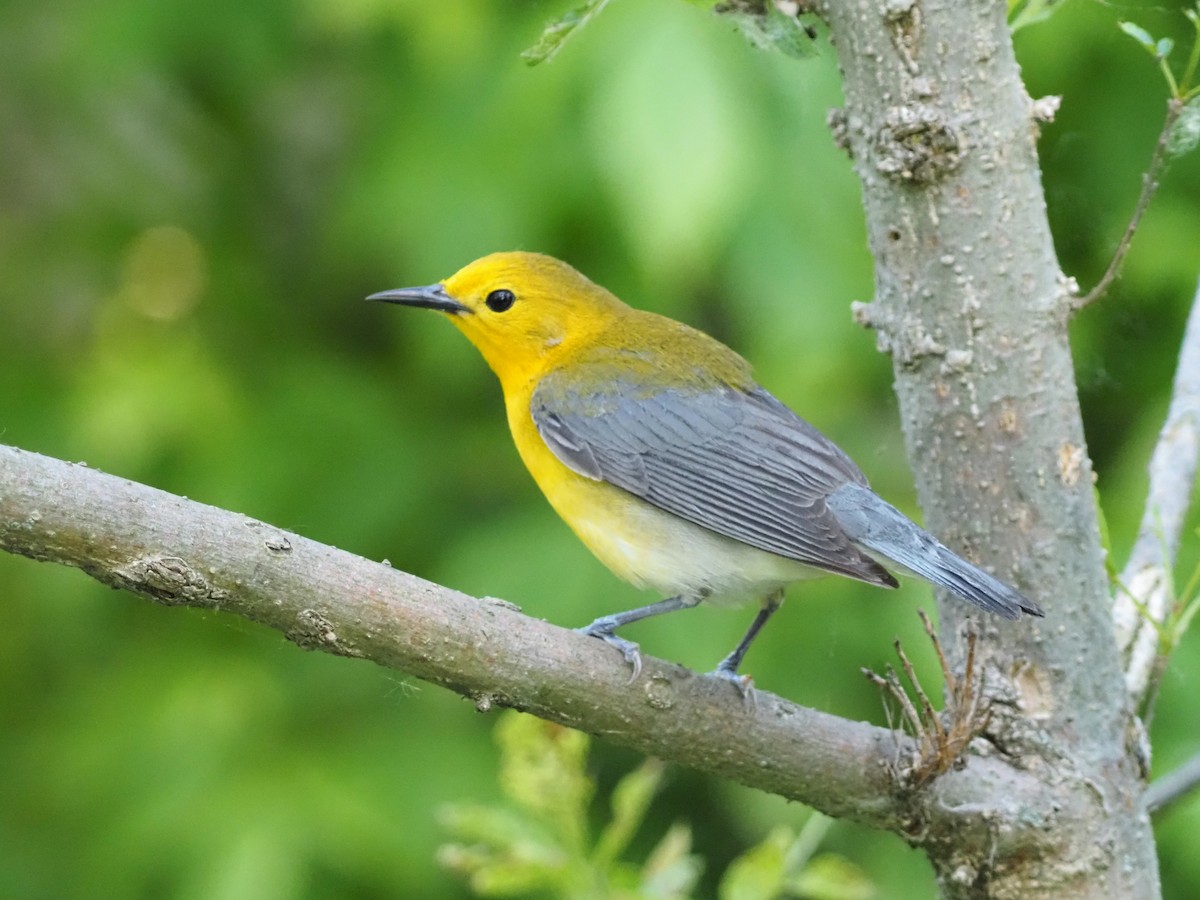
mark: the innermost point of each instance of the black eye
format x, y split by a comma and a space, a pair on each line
499, 301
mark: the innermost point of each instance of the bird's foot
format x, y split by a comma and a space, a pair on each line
744, 683
603, 628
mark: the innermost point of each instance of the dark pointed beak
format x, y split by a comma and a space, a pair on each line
431, 296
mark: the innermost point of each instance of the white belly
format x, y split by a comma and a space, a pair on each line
654, 549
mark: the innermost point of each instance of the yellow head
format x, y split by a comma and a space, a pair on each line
520, 310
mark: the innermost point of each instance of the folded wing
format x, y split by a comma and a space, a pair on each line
738, 463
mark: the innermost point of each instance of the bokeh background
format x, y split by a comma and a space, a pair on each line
195, 198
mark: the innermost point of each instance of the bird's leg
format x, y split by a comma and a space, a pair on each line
604, 626
728, 667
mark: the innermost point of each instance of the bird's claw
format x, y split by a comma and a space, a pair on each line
744, 683
629, 650
633, 656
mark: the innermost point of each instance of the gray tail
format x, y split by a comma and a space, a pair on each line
887, 534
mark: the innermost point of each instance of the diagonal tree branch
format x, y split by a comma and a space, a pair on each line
1144, 598
179, 552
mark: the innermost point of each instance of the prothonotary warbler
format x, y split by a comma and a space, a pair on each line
653, 441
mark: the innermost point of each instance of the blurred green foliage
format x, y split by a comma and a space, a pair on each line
194, 199
539, 843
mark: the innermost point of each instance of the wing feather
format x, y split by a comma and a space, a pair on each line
739, 463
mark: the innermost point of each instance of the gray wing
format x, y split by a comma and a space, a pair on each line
738, 463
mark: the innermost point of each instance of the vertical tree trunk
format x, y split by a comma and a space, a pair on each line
973, 309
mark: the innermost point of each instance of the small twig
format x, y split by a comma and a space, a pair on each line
1149, 185
1166, 790
928, 713
955, 688
942, 739
882, 683
962, 694
1144, 603
915, 721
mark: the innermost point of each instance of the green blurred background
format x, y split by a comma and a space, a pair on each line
195, 198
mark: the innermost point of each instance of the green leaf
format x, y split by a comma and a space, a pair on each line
1027, 12
671, 870
832, 877
497, 875
1140, 35
1185, 134
775, 29
542, 769
507, 878
475, 823
556, 33
758, 874
1163, 48
631, 798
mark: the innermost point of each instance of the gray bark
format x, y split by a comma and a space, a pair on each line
973, 309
